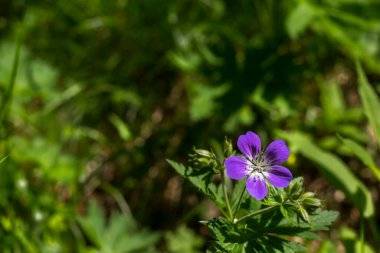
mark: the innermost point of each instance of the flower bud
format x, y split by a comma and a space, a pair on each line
307, 195
201, 158
312, 203
295, 187
203, 153
304, 214
227, 148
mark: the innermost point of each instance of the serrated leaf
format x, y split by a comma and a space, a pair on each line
214, 192
309, 235
184, 172
370, 100
219, 226
321, 220
266, 233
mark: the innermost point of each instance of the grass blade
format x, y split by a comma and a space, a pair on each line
370, 100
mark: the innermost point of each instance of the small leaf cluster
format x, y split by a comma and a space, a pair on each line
294, 201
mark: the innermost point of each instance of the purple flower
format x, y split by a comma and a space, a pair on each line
259, 166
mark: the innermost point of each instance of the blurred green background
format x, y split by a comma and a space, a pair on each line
96, 94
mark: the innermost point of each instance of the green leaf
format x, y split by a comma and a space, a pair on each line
204, 184
335, 171
351, 240
304, 214
203, 100
363, 155
299, 19
370, 100
121, 127
3, 159
347, 42
118, 235
248, 204
284, 212
184, 61
332, 101
141, 241
25, 241
65, 96
327, 247
321, 220
7, 97
267, 233
185, 172
92, 224
183, 240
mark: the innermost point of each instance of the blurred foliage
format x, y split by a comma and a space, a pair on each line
103, 91
183, 240
120, 236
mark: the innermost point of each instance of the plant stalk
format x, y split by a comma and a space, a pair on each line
226, 194
239, 203
267, 209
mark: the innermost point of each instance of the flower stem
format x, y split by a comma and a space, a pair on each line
239, 203
267, 209
226, 195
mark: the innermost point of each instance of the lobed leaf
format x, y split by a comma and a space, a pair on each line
204, 184
118, 235
268, 232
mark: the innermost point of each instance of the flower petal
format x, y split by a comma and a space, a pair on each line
279, 176
257, 186
236, 167
249, 144
277, 152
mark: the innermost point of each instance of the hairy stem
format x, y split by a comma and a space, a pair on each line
239, 203
226, 195
267, 209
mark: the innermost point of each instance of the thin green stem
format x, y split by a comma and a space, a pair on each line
267, 209
361, 234
118, 197
226, 194
239, 203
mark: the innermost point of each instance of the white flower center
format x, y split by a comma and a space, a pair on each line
258, 165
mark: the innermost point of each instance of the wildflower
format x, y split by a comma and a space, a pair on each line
259, 167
